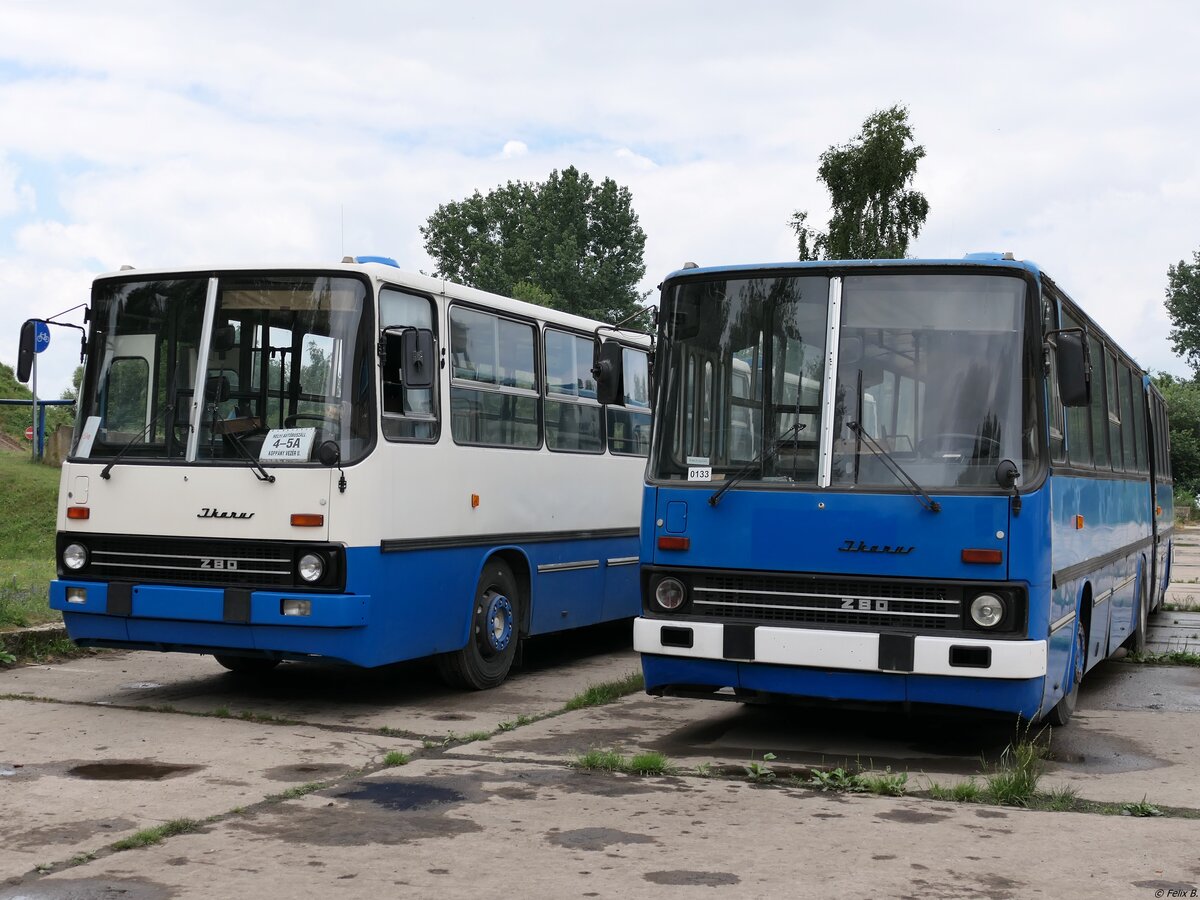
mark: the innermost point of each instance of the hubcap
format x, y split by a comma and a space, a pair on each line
497, 621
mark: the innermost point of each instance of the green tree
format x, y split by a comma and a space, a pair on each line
567, 242
1183, 306
1183, 421
875, 211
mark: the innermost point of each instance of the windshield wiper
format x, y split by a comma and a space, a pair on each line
104, 473
259, 471
895, 468
767, 453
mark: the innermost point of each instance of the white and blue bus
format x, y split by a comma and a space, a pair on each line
896, 482
346, 462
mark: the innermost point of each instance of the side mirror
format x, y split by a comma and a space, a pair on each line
408, 357
420, 360
1074, 369
608, 372
328, 454
26, 351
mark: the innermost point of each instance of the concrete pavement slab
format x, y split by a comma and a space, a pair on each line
73, 778
407, 698
1135, 735
466, 829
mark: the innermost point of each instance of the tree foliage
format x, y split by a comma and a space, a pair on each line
1183, 306
875, 211
567, 242
1183, 418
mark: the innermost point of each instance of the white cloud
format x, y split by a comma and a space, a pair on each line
634, 159
160, 134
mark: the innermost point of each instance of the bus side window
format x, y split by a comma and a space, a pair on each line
572, 413
493, 392
409, 414
1079, 438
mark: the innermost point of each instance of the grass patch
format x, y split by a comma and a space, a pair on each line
391, 732
760, 771
607, 692
1015, 779
299, 790
964, 792
1169, 658
1141, 809
148, 836
649, 763
395, 758
601, 761
515, 723
30, 492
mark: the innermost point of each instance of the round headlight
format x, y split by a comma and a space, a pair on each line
670, 593
75, 556
987, 610
311, 567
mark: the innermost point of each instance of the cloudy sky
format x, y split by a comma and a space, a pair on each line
169, 133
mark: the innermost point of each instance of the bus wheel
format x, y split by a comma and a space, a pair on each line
1138, 644
246, 665
1061, 713
495, 623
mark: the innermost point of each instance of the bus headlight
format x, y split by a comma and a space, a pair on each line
311, 567
74, 556
669, 594
987, 610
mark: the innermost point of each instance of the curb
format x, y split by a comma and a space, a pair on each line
20, 642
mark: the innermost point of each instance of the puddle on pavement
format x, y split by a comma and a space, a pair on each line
305, 772
130, 771
402, 796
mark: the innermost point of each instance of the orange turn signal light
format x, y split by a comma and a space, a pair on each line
988, 557
474, 501
78, 512
1078, 523
667, 542
308, 520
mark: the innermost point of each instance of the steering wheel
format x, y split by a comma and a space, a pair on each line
323, 423
958, 443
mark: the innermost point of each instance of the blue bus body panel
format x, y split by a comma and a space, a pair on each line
834, 533
1018, 697
396, 606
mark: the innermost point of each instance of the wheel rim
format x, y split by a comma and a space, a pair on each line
497, 625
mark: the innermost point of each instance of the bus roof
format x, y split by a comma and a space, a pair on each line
389, 273
974, 260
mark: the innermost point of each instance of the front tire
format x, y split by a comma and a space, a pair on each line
495, 632
1062, 711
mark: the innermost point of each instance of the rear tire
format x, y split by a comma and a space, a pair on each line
495, 632
1138, 642
246, 665
1062, 711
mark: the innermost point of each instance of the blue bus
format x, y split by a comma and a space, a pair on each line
904, 482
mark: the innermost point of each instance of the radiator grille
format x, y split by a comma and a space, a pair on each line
147, 560
797, 600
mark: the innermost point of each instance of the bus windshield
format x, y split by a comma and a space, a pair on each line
284, 352
929, 366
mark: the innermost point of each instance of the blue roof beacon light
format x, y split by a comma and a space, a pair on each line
385, 260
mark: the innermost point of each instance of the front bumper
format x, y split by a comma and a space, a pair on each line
842, 650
